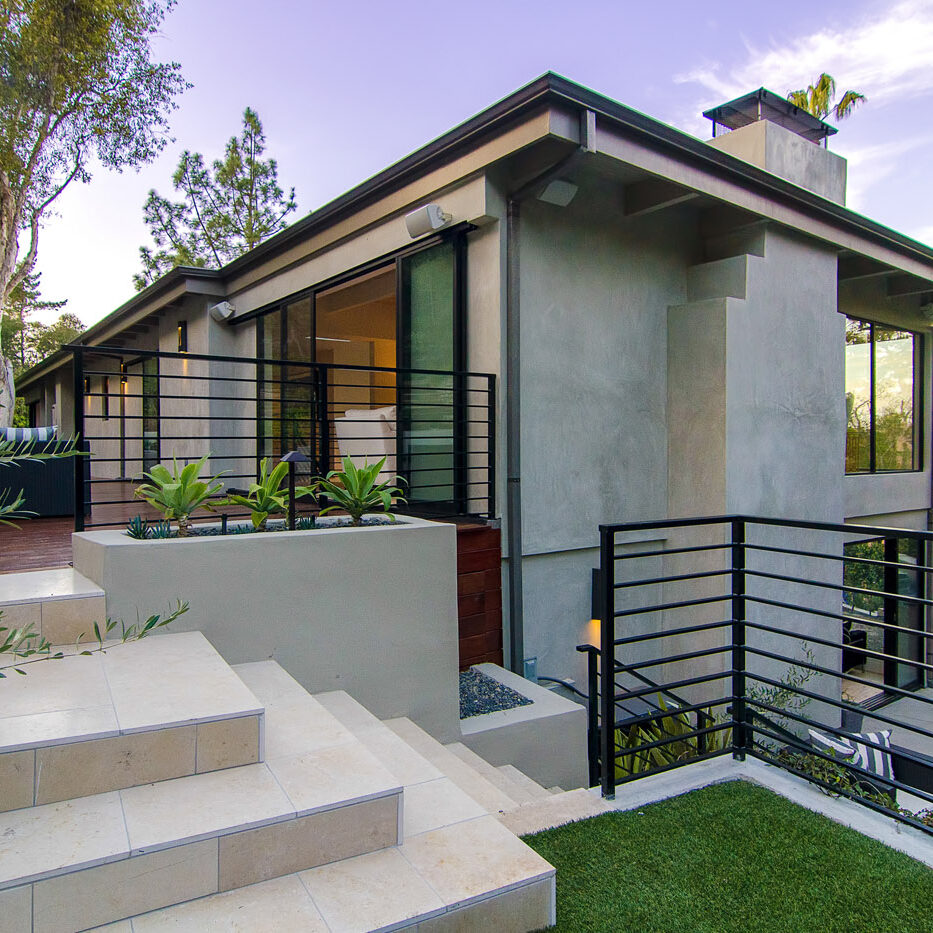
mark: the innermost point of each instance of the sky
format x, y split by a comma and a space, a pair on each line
345, 89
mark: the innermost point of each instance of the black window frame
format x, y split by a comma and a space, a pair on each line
918, 399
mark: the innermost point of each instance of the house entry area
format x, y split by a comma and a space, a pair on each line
371, 367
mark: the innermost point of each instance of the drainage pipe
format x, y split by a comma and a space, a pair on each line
513, 411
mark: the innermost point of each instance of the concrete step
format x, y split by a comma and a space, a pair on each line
158, 709
723, 278
493, 799
473, 876
319, 797
61, 604
568, 807
492, 774
521, 780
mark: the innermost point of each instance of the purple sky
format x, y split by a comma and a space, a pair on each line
344, 89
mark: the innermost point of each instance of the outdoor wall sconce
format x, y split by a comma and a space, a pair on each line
182, 336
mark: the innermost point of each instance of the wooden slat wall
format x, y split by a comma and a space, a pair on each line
479, 594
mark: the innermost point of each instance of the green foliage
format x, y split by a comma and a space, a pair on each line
674, 725
817, 99
12, 453
26, 342
786, 697
177, 493
270, 495
160, 530
224, 211
864, 576
22, 646
78, 86
730, 858
137, 527
355, 490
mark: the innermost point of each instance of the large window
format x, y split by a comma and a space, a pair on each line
882, 398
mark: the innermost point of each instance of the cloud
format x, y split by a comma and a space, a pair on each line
884, 55
868, 165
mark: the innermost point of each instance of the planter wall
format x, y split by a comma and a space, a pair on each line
372, 611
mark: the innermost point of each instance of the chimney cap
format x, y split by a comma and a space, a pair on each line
766, 105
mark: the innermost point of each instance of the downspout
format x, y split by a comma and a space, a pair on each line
513, 410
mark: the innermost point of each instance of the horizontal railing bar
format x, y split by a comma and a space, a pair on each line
841, 704
842, 792
917, 600
676, 764
839, 557
908, 754
682, 604
762, 627
799, 662
668, 633
686, 736
855, 769
675, 550
674, 710
686, 682
672, 659
674, 579
840, 617
243, 360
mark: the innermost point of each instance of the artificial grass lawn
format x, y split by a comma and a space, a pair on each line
730, 857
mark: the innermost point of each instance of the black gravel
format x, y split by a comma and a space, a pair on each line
481, 694
240, 527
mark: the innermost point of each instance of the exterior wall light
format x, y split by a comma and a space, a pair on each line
182, 336
427, 219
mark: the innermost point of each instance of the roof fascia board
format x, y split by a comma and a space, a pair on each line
731, 189
543, 123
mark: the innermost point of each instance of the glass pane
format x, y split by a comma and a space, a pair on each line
270, 348
858, 396
296, 391
894, 398
909, 615
428, 410
150, 409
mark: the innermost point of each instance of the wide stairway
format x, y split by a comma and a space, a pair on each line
154, 787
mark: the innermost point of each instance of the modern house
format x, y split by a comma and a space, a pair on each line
657, 326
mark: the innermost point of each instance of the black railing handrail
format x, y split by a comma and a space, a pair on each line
871, 531
261, 361
738, 681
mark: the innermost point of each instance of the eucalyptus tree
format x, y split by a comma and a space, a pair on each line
224, 211
78, 87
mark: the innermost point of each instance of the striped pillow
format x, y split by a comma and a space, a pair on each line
29, 435
854, 752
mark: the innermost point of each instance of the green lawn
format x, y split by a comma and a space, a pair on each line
732, 857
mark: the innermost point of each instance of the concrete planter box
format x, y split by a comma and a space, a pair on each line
370, 610
546, 740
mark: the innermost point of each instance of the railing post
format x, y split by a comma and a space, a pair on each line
491, 446
740, 737
607, 678
592, 712
77, 357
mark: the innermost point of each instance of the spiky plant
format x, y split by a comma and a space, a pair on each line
177, 493
355, 490
817, 99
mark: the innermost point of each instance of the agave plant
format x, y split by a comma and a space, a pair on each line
355, 490
269, 496
177, 493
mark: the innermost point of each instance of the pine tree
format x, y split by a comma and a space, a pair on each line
224, 212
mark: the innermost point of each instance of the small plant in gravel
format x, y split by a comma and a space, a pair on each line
355, 490
268, 496
177, 493
137, 527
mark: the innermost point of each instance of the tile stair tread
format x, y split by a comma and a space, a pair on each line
465, 777
59, 838
534, 789
107, 694
397, 755
492, 774
395, 888
33, 586
567, 807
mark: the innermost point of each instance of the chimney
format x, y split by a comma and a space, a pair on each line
772, 133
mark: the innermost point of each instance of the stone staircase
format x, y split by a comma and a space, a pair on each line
155, 787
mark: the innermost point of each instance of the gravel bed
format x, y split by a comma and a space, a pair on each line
481, 694
239, 527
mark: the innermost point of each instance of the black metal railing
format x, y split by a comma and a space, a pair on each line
737, 635
135, 408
